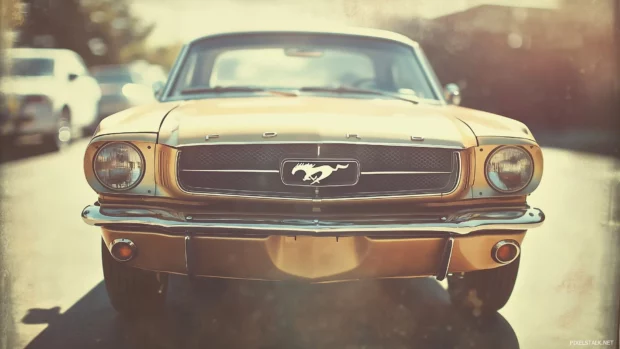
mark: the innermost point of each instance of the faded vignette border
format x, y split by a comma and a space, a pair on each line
11, 16
7, 320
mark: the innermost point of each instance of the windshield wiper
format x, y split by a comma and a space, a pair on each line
224, 89
344, 89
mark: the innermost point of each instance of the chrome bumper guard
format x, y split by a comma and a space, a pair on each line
461, 222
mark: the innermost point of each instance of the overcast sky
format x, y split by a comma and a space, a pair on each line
182, 20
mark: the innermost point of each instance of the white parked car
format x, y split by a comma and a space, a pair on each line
49, 97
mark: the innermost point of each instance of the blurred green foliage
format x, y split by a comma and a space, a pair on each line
163, 55
101, 31
11, 17
553, 69
11, 14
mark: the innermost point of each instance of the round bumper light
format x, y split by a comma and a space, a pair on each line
505, 251
122, 250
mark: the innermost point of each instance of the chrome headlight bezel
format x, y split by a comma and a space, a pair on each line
142, 168
488, 160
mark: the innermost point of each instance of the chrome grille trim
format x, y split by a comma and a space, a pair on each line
403, 194
402, 172
361, 173
239, 171
409, 144
319, 200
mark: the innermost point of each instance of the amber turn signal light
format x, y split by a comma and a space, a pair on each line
122, 250
505, 251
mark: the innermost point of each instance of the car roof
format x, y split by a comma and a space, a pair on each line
349, 31
51, 53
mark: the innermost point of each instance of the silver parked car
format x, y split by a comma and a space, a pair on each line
48, 96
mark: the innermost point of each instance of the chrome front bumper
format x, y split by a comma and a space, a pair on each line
179, 222
316, 249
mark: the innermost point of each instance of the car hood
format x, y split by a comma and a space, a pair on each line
146, 118
487, 125
313, 119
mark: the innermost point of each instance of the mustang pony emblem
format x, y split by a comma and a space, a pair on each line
312, 172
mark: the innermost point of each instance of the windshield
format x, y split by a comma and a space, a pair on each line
32, 67
301, 61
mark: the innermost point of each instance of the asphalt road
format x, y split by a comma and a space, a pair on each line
51, 263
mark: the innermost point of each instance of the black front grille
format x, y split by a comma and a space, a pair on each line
265, 160
242, 157
393, 184
241, 181
269, 156
391, 158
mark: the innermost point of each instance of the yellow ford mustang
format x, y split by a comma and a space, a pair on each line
314, 156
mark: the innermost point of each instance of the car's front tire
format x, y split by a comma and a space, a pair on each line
484, 291
133, 291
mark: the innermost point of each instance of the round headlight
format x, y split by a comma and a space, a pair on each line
119, 166
509, 169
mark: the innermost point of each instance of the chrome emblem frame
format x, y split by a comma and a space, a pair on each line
315, 174
311, 171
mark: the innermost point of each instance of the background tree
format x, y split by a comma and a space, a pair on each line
101, 31
164, 55
11, 17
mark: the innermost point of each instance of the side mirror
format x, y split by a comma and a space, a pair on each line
72, 76
452, 93
158, 87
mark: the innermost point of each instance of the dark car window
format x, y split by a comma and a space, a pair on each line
117, 76
32, 67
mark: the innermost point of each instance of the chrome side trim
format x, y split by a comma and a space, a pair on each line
460, 222
446, 256
172, 77
418, 145
269, 134
188, 254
